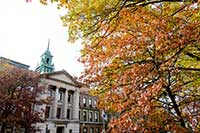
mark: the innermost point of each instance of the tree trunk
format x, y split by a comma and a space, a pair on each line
3, 126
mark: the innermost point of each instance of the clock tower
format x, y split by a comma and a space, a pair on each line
46, 65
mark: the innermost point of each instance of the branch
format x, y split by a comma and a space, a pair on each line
172, 97
189, 69
178, 10
193, 56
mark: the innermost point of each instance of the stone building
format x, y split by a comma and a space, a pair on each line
14, 63
90, 120
62, 113
72, 109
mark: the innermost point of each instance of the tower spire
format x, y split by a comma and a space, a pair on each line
48, 44
46, 65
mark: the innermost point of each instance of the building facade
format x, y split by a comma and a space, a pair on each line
14, 63
72, 109
89, 115
62, 113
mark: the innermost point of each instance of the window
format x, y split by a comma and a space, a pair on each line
49, 93
47, 112
70, 130
90, 116
95, 103
85, 130
90, 102
84, 115
79, 101
47, 61
60, 95
91, 130
79, 115
58, 113
97, 130
68, 113
69, 98
84, 102
96, 116
8, 130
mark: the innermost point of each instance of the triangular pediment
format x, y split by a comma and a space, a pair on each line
62, 76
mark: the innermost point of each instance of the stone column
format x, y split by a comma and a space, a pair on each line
75, 105
65, 103
55, 104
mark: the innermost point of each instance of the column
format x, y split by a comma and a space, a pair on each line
55, 104
76, 105
65, 103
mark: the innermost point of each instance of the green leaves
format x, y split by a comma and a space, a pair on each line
142, 59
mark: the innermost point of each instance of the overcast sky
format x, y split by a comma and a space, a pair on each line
24, 32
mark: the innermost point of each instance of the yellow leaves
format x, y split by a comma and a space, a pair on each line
131, 56
44, 2
63, 1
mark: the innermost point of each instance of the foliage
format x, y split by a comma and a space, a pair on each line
142, 58
18, 96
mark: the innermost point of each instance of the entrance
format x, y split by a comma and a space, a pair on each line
60, 130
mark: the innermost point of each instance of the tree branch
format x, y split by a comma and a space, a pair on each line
189, 69
172, 97
193, 56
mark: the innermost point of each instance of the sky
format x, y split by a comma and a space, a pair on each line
24, 32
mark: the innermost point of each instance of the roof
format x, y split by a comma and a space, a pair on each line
14, 63
47, 75
48, 53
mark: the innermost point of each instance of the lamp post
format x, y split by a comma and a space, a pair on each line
47, 131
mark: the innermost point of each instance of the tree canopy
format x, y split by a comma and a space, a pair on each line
142, 59
18, 96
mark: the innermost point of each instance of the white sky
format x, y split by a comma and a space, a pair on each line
24, 32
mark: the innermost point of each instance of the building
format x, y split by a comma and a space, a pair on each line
14, 63
72, 109
89, 115
46, 64
62, 114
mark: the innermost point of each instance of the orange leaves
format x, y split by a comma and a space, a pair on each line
135, 63
133, 55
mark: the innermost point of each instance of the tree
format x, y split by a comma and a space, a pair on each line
142, 61
18, 96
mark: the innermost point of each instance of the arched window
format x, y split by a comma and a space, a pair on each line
47, 61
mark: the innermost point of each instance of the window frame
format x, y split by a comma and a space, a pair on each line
47, 109
84, 116
90, 116
84, 129
58, 113
90, 102
68, 114
96, 116
84, 101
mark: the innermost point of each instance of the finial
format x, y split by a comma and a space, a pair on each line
48, 44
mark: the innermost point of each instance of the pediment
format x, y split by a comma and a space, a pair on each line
61, 76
